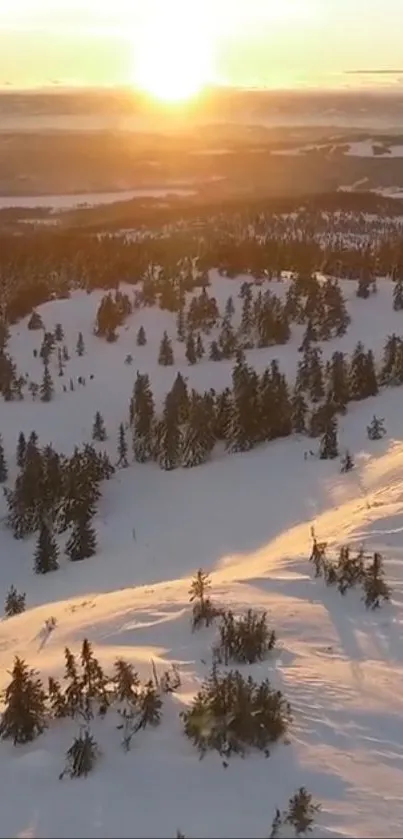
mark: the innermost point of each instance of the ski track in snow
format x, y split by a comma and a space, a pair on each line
247, 519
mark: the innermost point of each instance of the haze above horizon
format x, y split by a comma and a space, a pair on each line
173, 48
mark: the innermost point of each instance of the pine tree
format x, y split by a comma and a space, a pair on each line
198, 438
376, 429
190, 349
98, 428
363, 287
347, 463
141, 339
375, 588
24, 715
398, 294
180, 325
80, 348
59, 334
329, 445
46, 389
14, 603
338, 381
60, 368
142, 418
215, 353
122, 447
199, 347
47, 551
3, 464
299, 412
82, 542
21, 449
166, 355
169, 437
229, 308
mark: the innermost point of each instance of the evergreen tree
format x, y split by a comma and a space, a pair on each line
375, 588
65, 353
180, 325
180, 396
338, 381
98, 428
299, 411
82, 542
14, 603
199, 347
142, 418
309, 337
59, 334
198, 438
24, 715
191, 349
141, 339
315, 374
243, 432
3, 464
169, 437
362, 379
46, 389
215, 353
364, 284
347, 463
227, 340
223, 413
376, 429
329, 445
390, 369
398, 294
60, 367
229, 308
122, 447
80, 348
166, 355
47, 551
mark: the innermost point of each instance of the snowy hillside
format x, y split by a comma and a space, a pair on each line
246, 518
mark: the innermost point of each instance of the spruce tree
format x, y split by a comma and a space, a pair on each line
375, 587
21, 449
347, 463
191, 349
24, 715
142, 418
3, 464
229, 308
299, 412
82, 542
169, 436
198, 438
180, 325
98, 428
199, 347
398, 294
80, 347
59, 334
166, 355
122, 447
376, 429
47, 551
46, 389
141, 339
14, 602
215, 353
329, 444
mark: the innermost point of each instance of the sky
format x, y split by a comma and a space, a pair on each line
274, 43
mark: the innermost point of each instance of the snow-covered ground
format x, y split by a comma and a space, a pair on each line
246, 518
361, 148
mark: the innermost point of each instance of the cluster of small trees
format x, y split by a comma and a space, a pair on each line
256, 409
53, 494
111, 313
231, 714
352, 569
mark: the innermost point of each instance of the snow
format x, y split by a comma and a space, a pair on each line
361, 148
246, 518
87, 199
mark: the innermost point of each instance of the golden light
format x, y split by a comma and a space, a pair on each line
173, 53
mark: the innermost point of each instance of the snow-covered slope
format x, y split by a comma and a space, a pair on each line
245, 518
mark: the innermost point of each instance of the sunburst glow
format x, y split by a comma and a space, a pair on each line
173, 59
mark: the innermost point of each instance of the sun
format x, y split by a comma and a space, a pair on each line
172, 57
